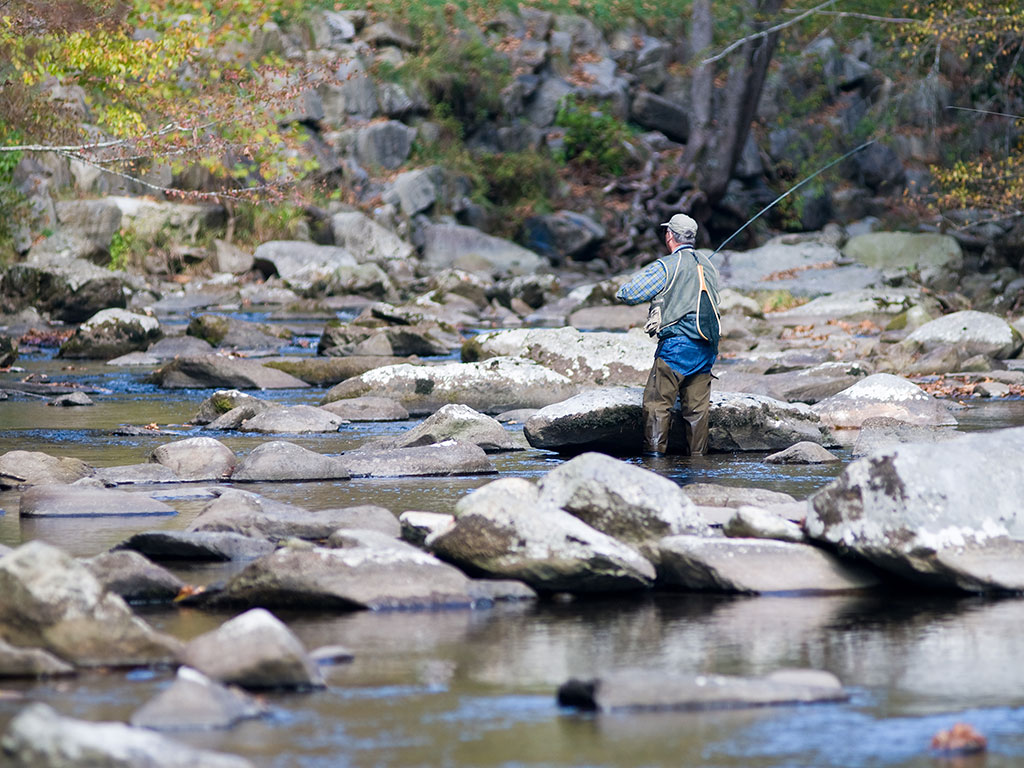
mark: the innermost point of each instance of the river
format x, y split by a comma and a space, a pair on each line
476, 688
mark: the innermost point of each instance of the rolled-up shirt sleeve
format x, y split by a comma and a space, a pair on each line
644, 285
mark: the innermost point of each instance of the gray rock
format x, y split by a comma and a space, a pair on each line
905, 250
653, 691
233, 333
367, 240
134, 578
332, 654
600, 358
503, 531
424, 339
278, 461
254, 650
417, 526
621, 317
802, 453
805, 385
546, 100
453, 245
38, 737
304, 266
199, 546
213, 371
945, 515
30, 662
349, 579
224, 401
236, 417
252, 515
659, 114
171, 347
70, 291
133, 359
757, 566
328, 371
196, 458
195, 702
862, 304
352, 538
883, 432
883, 394
563, 235
607, 419
79, 501
741, 422
451, 457
72, 400
415, 191
384, 145
93, 221
454, 422
136, 474
54, 602
292, 419
110, 333
627, 502
978, 333
814, 266
229, 258
370, 519
749, 522
491, 386
712, 495
36, 468
367, 408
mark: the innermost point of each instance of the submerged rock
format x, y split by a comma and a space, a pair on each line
38, 737
54, 602
944, 515
195, 702
254, 650
84, 501
653, 691
503, 531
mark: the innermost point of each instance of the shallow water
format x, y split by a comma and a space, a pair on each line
476, 688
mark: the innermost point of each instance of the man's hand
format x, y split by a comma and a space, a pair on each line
653, 324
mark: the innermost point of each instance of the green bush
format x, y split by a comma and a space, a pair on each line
121, 249
593, 139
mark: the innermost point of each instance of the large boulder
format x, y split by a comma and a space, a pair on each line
70, 291
454, 422
195, 702
366, 239
111, 333
384, 145
911, 251
451, 457
196, 458
87, 501
659, 114
30, 662
328, 371
19, 468
352, 578
803, 269
304, 266
756, 566
627, 502
946, 515
38, 737
53, 602
883, 395
635, 691
742, 422
249, 514
502, 531
600, 358
454, 245
254, 650
279, 461
563, 235
490, 386
223, 372
224, 401
878, 305
804, 385
978, 333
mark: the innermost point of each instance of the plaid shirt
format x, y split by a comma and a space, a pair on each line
645, 285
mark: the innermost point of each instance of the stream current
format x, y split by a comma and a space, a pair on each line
477, 688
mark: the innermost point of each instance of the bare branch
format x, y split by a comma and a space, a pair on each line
169, 128
855, 15
765, 32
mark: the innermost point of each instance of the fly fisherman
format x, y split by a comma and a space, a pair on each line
683, 289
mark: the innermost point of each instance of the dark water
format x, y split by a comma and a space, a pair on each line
476, 688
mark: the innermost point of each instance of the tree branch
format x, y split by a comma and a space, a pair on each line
765, 32
169, 128
856, 15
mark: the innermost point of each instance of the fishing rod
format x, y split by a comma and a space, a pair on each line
791, 190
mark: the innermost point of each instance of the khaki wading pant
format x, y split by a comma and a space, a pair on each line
664, 385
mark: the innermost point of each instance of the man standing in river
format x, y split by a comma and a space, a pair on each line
685, 286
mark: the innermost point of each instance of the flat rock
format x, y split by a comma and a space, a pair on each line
195, 702
978, 333
454, 245
136, 474
454, 422
349, 579
279, 461
196, 458
216, 371
133, 577
292, 419
367, 408
757, 566
38, 737
79, 501
72, 400
805, 385
803, 269
653, 691
21, 468
502, 531
199, 546
490, 386
449, 458
328, 371
883, 394
53, 602
742, 422
254, 650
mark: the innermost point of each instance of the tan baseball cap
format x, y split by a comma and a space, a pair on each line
682, 225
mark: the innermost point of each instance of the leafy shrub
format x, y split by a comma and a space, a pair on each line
593, 139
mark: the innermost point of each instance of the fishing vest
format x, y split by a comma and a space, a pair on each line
690, 300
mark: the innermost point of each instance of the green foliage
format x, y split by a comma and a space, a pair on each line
776, 301
121, 246
258, 222
518, 178
593, 140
